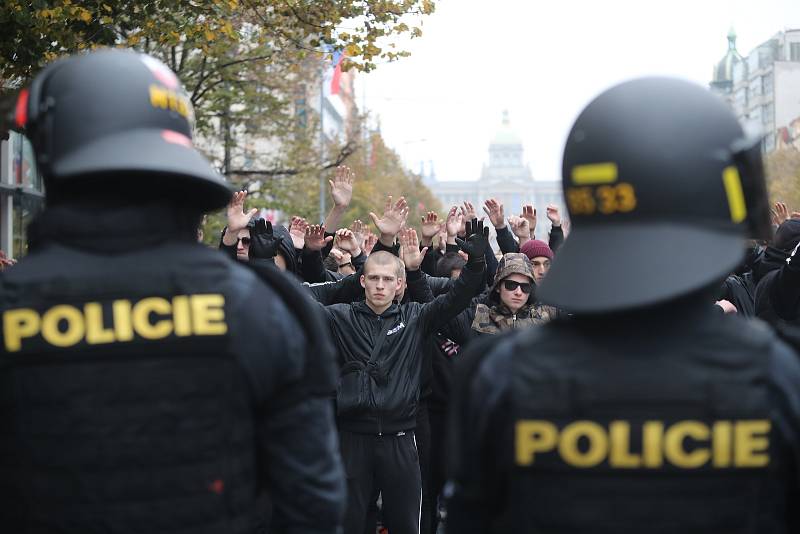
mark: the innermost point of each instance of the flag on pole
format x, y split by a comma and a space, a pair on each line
336, 59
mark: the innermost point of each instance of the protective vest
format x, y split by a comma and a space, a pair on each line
610, 436
122, 397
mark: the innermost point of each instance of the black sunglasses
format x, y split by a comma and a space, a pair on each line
245, 241
511, 285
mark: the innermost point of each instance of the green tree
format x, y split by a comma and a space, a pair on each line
378, 170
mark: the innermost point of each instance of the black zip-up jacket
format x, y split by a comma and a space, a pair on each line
391, 406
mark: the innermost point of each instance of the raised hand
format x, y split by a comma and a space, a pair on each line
520, 228
430, 226
342, 186
346, 241
469, 211
494, 210
410, 253
781, 212
455, 220
393, 219
369, 242
315, 237
297, 229
553, 215
264, 244
441, 244
477, 241
237, 218
529, 214
360, 231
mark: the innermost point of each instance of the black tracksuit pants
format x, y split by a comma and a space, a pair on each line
423, 437
388, 464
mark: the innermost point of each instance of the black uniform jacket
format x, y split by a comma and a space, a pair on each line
155, 388
678, 420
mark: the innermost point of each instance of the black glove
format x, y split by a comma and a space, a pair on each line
263, 243
477, 240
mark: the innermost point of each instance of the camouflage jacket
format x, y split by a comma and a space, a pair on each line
496, 319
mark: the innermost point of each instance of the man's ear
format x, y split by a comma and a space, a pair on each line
362, 279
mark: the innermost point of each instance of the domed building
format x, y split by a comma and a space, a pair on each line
722, 78
507, 178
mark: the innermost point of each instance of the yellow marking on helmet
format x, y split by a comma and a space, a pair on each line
595, 173
733, 189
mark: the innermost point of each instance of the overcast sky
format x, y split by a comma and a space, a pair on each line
543, 60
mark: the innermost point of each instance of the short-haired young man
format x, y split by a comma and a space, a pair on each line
380, 352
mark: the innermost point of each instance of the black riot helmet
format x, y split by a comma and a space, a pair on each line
662, 187
117, 120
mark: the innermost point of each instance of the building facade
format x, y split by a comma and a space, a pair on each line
763, 87
507, 178
21, 193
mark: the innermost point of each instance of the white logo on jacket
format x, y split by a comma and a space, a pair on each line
396, 329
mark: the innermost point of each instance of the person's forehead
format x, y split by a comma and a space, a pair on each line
244, 232
541, 259
381, 269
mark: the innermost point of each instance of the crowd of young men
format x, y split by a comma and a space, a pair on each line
150, 384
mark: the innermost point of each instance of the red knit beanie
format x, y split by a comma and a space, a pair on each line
535, 248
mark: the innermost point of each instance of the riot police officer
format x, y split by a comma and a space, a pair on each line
647, 411
148, 383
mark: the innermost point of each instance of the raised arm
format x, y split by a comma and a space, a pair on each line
445, 307
237, 221
393, 219
412, 256
556, 232
342, 193
313, 269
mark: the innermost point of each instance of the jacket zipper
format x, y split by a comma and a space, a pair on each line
380, 391
513, 320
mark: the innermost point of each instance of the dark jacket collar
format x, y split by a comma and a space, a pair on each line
362, 307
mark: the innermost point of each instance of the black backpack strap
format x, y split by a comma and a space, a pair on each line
320, 365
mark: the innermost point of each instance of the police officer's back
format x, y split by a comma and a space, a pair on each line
648, 411
148, 383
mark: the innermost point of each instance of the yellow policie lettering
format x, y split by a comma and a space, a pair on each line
163, 98
150, 318
684, 444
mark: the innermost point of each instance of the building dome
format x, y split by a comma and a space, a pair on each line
723, 72
505, 135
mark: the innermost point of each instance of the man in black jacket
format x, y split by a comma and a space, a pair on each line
777, 294
149, 384
380, 353
647, 411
